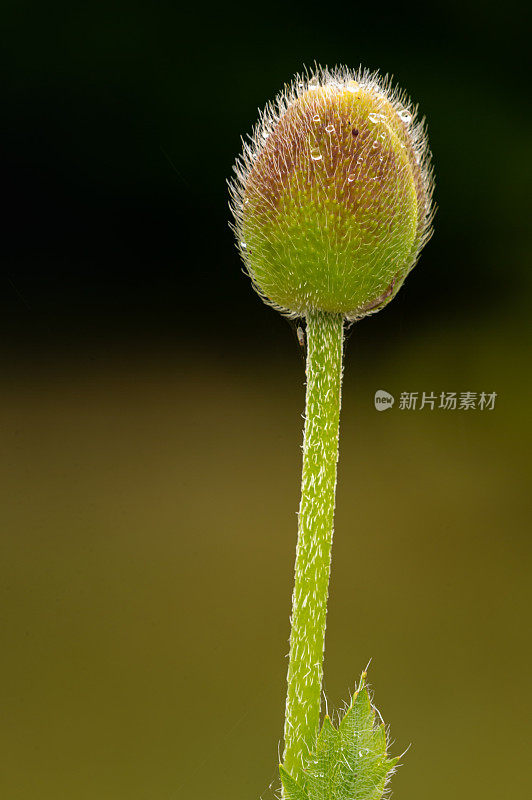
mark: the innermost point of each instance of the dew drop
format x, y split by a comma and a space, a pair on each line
373, 117
243, 245
405, 116
350, 178
359, 160
315, 154
329, 128
316, 117
375, 144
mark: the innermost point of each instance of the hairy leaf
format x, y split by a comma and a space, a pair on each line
349, 762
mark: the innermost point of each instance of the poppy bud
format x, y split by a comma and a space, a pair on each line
332, 195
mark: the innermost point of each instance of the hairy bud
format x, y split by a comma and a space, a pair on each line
332, 195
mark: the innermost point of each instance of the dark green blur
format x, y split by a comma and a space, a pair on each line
151, 407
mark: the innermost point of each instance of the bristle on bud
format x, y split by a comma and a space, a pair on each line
332, 195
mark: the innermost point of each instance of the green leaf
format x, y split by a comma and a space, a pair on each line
292, 790
349, 762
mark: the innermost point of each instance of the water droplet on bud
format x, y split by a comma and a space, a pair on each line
315, 154
352, 86
329, 128
405, 116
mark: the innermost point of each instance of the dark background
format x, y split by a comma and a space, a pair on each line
122, 122
151, 409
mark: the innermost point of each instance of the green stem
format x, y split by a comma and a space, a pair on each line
315, 533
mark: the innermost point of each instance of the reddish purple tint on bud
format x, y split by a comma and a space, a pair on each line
332, 194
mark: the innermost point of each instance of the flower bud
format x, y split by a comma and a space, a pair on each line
332, 195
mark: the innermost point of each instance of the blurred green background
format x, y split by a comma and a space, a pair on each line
151, 412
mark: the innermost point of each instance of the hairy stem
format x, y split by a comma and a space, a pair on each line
315, 533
